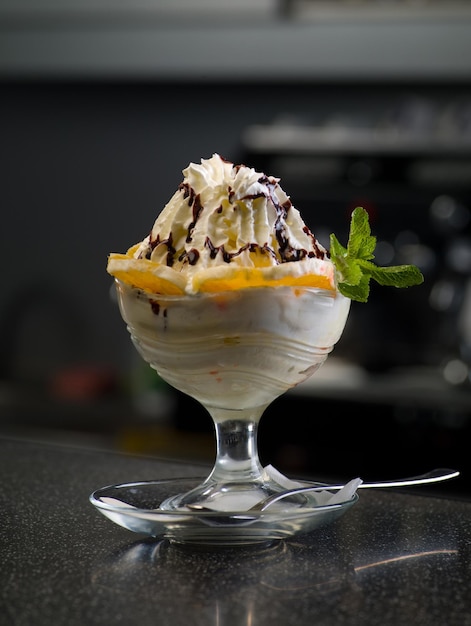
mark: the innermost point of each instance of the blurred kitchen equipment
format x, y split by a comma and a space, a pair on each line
409, 165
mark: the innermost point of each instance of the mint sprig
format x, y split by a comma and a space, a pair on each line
355, 267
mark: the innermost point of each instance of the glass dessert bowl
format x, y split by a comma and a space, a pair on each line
262, 304
234, 352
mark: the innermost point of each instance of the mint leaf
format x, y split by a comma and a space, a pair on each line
354, 264
361, 244
351, 272
397, 275
359, 292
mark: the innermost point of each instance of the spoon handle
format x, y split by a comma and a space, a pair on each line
434, 476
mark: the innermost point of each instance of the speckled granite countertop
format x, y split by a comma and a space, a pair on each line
394, 559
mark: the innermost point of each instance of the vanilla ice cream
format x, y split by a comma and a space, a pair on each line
240, 348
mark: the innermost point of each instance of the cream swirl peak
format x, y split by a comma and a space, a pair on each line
226, 227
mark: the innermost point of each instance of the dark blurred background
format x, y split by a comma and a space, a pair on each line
103, 103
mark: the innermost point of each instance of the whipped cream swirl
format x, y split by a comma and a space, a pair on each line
229, 214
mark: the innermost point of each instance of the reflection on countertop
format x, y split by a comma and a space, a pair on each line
394, 558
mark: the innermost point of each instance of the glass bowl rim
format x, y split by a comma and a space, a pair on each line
200, 295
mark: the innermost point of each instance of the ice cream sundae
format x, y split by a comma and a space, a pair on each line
233, 300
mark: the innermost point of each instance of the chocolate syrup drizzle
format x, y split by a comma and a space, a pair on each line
157, 309
287, 252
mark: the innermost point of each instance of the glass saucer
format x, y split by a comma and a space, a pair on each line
136, 506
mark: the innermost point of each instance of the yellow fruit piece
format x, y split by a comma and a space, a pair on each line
154, 278
145, 275
253, 277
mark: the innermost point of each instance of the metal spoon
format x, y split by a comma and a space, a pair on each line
434, 476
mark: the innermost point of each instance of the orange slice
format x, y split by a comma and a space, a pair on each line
146, 275
244, 278
155, 278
